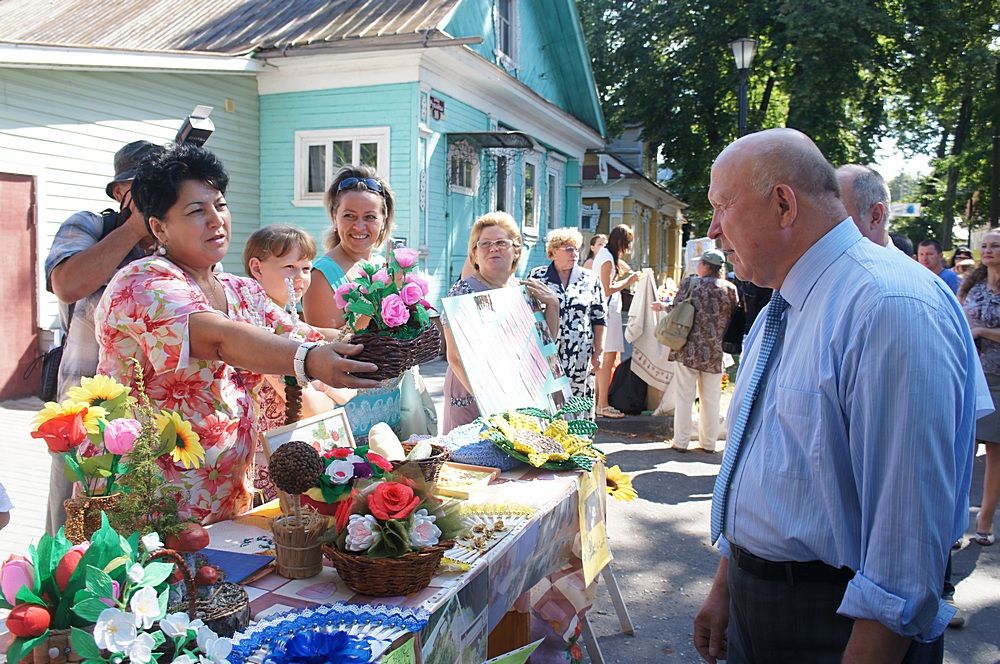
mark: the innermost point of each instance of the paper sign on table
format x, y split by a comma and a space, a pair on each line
594, 550
405, 654
519, 656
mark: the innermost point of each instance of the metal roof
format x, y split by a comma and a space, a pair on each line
219, 26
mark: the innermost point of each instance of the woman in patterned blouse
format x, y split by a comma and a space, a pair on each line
204, 338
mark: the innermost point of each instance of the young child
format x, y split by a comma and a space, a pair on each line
275, 256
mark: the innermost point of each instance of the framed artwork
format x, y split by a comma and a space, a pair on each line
324, 432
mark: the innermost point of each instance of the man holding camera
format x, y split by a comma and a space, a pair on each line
86, 252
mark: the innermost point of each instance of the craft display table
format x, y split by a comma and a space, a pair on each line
464, 607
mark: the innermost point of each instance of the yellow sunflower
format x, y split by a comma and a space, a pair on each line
52, 410
619, 484
97, 390
187, 449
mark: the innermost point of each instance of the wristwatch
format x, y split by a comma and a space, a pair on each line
300, 362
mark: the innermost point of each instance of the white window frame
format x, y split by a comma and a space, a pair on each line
464, 149
534, 230
508, 60
590, 217
509, 172
305, 139
553, 195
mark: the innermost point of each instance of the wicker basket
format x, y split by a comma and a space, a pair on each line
387, 577
394, 356
83, 515
431, 466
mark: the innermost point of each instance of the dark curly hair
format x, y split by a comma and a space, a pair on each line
159, 177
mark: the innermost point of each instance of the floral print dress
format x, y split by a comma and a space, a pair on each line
144, 315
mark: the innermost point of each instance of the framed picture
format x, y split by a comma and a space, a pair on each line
324, 432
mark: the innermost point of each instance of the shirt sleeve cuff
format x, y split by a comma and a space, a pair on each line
865, 600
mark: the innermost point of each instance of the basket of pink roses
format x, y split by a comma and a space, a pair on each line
386, 310
394, 539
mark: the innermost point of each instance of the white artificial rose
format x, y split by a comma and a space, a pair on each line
175, 624
140, 651
114, 630
146, 607
152, 542
423, 532
136, 572
340, 471
362, 532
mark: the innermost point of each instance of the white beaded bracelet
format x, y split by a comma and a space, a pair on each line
300, 362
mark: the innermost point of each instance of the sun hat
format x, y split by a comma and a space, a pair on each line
127, 161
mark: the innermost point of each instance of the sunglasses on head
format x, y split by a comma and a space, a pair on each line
371, 184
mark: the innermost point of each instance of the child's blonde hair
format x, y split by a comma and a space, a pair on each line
278, 240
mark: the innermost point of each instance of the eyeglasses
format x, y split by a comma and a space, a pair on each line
569, 249
370, 184
502, 245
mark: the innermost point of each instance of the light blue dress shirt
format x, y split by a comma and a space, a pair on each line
859, 451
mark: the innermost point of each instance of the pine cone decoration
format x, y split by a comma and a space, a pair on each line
295, 467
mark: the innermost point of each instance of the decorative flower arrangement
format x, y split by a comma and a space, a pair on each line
111, 583
543, 440
393, 517
96, 426
619, 484
313, 646
389, 300
343, 467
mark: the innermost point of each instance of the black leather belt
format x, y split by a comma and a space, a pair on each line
789, 572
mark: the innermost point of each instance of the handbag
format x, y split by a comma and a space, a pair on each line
673, 329
417, 414
49, 361
732, 339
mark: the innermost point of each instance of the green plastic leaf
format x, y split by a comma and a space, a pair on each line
26, 595
21, 648
362, 307
89, 610
98, 582
582, 428
395, 540
535, 412
156, 573
168, 439
116, 563
30, 644
97, 465
4, 604
162, 597
84, 645
158, 639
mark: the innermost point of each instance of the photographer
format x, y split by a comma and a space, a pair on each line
88, 249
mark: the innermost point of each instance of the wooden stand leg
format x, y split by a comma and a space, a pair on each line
590, 641
616, 598
513, 631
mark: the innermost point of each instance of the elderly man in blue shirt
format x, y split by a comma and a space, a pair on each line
846, 475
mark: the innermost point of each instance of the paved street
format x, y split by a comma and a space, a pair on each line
662, 558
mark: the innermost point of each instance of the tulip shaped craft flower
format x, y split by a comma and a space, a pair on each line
17, 572
94, 429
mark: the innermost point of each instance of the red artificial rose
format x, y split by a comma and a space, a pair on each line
392, 500
341, 452
343, 513
28, 620
63, 433
379, 461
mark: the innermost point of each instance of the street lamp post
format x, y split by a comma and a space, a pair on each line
743, 50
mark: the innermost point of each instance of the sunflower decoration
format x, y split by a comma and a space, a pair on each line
543, 440
179, 439
619, 484
105, 392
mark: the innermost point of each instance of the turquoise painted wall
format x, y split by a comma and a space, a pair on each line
281, 115
549, 51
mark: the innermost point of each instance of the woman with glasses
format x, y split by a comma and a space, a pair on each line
494, 250
606, 266
361, 205
581, 309
204, 338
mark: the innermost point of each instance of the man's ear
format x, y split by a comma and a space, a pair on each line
783, 196
878, 214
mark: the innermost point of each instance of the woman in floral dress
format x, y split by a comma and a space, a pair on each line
581, 309
204, 338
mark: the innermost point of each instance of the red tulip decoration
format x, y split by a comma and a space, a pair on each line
28, 620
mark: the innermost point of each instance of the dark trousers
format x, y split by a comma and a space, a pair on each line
772, 622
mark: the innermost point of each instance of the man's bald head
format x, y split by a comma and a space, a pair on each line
774, 195
866, 197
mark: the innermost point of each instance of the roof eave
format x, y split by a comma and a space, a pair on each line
47, 56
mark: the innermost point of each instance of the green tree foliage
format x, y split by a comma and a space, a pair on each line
846, 72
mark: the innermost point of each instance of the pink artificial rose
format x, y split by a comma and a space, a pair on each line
410, 294
16, 572
420, 282
406, 257
394, 311
381, 276
120, 435
338, 295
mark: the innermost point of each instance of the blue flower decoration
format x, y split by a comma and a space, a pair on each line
311, 647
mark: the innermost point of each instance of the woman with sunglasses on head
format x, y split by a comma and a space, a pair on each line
494, 250
361, 205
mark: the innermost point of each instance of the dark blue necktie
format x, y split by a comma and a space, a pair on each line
772, 326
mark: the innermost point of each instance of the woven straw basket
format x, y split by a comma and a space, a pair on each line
394, 356
431, 466
387, 577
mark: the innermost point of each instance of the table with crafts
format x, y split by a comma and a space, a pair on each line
464, 606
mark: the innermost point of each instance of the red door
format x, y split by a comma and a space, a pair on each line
18, 324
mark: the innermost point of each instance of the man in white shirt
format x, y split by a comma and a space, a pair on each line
865, 194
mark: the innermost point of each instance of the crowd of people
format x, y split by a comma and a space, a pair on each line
863, 387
